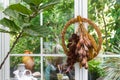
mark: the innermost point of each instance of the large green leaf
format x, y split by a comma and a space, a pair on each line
36, 20
11, 13
6, 31
16, 17
20, 20
20, 8
10, 24
37, 31
48, 5
35, 2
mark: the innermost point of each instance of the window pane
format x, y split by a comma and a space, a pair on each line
105, 13
54, 69
55, 20
112, 68
30, 63
26, 43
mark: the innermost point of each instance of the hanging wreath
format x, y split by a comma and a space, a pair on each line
81, 47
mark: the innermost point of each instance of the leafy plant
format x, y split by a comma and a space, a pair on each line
20, 20
95, 69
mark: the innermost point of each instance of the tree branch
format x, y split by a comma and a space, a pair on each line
16, 40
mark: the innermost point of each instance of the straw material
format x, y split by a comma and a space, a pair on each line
80, 20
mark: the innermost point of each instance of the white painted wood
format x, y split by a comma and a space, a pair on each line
0, 55
4, 48
41, 47
62, 55
7, 63
80, 7
77, 72
0, 48
41, 43
116, 55
52, 55
41, 18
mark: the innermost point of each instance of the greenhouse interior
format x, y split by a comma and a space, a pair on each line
59, 40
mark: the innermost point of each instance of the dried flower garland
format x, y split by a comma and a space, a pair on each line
82, 46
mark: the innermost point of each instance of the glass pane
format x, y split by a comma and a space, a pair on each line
55, 69
112, 68
55, 19
26, 43
14, 1
20, 65
105, 13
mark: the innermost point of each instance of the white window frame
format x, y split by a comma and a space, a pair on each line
80, 9
41, 55
4, 47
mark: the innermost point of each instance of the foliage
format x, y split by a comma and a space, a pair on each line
95, 69
54, 21
57, 17
106, 15
27, 43
19, 23
21, 20
111, 66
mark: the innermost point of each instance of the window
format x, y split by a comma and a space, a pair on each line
105, 14
47, 50
4, 42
